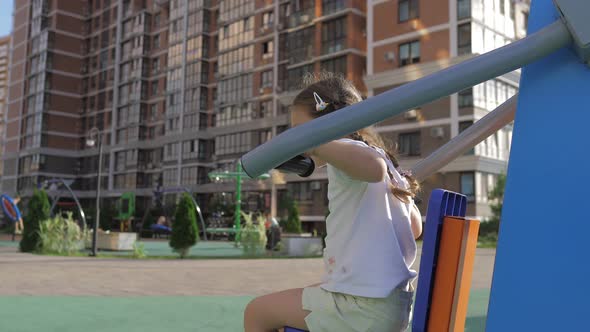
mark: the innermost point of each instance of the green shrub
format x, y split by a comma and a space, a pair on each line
62, 236
139, 250
293, 223
253, 236
184, 230
38, 211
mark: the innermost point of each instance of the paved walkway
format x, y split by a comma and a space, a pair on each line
26, 274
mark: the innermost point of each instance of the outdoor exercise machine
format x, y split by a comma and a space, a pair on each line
532, 264
125, 210
56, 189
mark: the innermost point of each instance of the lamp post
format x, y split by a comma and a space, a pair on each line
238, 175
94, 138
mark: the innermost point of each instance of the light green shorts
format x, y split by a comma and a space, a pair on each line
341, 312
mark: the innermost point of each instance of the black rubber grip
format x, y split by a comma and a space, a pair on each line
300, 165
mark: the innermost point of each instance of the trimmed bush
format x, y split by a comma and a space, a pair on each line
38, 211
293, 223
184, 229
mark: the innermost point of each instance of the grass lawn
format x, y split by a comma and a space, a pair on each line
150, 314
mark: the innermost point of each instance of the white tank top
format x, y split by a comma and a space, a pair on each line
370, 247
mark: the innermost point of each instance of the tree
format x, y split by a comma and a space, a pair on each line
184, 230
492, 225
293, 223
38, 211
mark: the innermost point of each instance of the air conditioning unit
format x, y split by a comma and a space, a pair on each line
316, 185
411, 114
437, 132
390, 56
304, 18
280, 26
261, 90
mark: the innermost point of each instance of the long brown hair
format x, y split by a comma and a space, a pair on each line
338, 93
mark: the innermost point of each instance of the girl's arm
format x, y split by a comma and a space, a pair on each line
359, 162
416, 221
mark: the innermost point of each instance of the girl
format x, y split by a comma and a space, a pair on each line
372, 226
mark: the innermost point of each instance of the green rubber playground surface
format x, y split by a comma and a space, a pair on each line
201, 249
150, 314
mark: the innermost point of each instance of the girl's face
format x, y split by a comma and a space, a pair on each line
299, 115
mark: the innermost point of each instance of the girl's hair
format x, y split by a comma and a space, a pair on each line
338, 92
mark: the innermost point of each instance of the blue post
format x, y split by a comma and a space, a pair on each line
541, 272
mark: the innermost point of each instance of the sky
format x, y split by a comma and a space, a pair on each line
5, 17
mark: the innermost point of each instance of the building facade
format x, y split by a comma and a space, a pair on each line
4, 59
412, 38
177, 88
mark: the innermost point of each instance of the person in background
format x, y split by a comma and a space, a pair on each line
19, 226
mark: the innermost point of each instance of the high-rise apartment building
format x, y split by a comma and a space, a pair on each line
4, 58
408, 39
177, 88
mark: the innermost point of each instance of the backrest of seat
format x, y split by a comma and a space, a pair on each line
442, 203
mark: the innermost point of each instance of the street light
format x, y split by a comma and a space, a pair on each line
238, 175
95, 136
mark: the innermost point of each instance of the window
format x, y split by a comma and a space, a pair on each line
300, 49
236, 61
157, 20
267, 19
464, 38
336, 65
502, 7
235, 89
154, 88
266, 109
463, 9
266, 79
525, 19
156, 42
462, 127
407, 10
300, 191
332, 6
409, 144
156, 66
267, 49
294, 76
468, 185
466, 98
334, 36
409, 53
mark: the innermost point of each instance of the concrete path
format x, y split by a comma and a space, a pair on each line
26, 274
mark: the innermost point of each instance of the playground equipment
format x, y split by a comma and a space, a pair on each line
160, 191
55, 188
125, 210
530, 237
239, 174
12, 211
